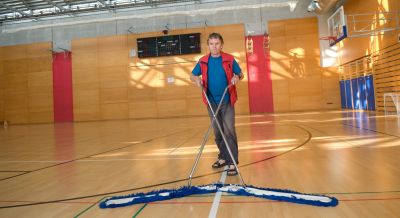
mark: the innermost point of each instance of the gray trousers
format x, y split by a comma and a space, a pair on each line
226, 118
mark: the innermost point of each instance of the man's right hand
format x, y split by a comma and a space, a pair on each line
197, 80
199, 83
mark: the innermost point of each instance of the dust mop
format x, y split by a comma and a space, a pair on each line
234, 189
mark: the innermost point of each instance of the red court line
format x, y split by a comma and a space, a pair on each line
62, 202
208, 202
267, 201
371, 199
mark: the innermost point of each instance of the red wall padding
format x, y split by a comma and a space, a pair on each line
62, 87
260, 83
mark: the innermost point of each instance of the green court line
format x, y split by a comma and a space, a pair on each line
140, 210
85, 210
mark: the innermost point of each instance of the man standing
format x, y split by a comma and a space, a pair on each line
215, 71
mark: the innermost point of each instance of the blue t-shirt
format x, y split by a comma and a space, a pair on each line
217, 81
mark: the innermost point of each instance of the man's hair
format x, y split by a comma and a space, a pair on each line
215, 36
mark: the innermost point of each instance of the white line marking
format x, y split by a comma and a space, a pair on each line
217, 198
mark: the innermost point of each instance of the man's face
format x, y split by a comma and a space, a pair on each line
215, 46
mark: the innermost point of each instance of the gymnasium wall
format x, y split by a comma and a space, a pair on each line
26, 89
298, 81
359, 46
1, 86
376, 54
109, 84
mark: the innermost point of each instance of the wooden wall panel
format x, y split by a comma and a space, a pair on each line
40, 83
36, 50
89, 112
16, 104
2, 83
171, 108
85, 75
27, 87
16, 66
110, 43
114, 95
171, 92
16, 87
195, 107
112, 62
113, 77
114, 111
84, 60
298, 80
330, 95
85, 80
40, 93
194, 104
306, 102
139, 94
130, 87
14, 52
143, 109
85, 45
112, 58
86, 94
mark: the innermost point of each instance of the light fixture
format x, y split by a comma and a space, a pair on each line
292, 5
165, 31
313, 6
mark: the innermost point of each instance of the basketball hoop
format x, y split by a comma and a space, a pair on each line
330, 39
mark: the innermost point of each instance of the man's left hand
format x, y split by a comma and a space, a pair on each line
235, 79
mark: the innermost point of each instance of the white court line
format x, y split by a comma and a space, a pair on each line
217, 198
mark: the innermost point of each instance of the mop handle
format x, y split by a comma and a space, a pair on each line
207, 135
223, 135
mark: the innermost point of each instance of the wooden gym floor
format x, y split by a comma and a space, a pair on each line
64, 170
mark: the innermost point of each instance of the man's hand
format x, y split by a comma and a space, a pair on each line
197, 80
235, 79
199, 83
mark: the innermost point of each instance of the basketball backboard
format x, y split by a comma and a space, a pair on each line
337, 26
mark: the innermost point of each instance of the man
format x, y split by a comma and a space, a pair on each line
215, 71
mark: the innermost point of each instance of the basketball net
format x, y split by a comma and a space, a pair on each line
330, 39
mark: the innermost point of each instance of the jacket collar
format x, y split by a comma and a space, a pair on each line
205, 58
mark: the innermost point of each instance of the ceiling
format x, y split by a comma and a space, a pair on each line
20, 10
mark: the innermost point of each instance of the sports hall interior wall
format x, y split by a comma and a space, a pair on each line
109, 84
356, 47
298, 81
377, 54
26, 90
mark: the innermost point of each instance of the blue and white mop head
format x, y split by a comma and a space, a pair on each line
266, 193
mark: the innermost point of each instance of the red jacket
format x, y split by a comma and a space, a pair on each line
227, 64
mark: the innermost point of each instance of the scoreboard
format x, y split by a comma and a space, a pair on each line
169, 45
